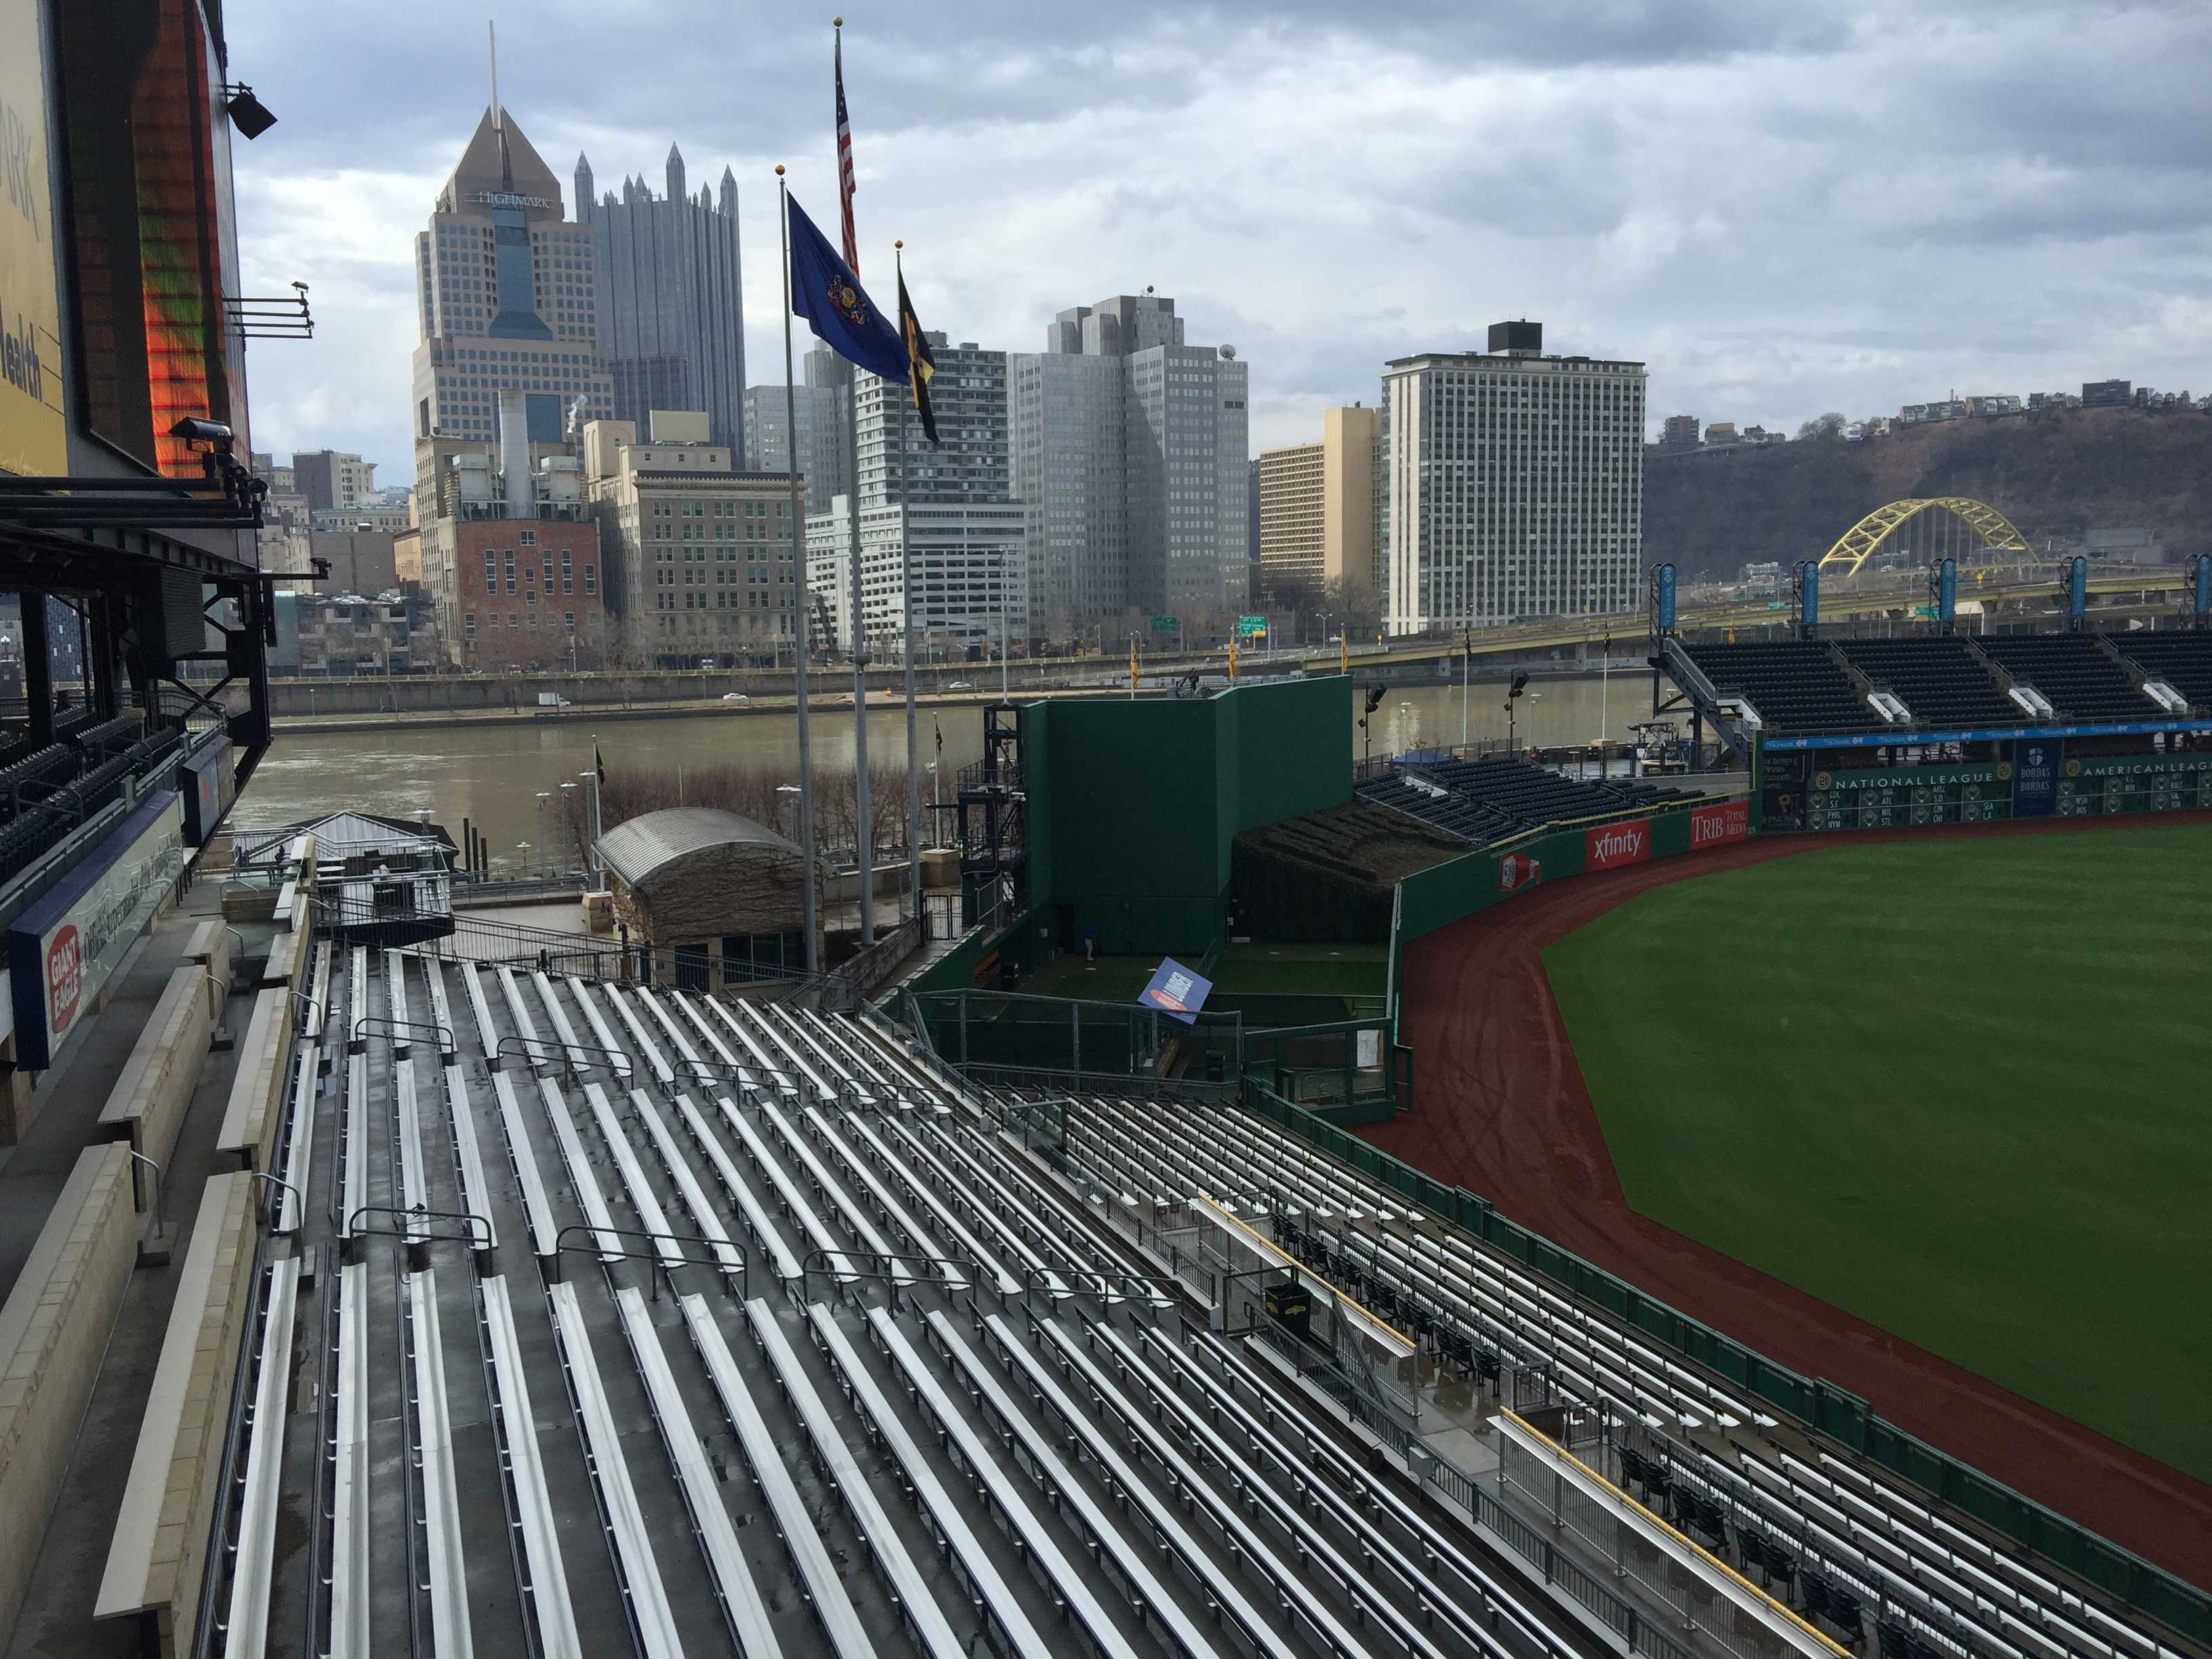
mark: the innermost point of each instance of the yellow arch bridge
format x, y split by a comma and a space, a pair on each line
1860, 542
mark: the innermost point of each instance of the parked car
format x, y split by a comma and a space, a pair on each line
961, 686
733, 696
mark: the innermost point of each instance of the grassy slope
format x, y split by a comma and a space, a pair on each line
1962, 1089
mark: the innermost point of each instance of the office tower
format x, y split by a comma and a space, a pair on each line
507, 298
1131, 449
1317, 514
330, 480
945, 505
700, 554
670, 305
1516, 484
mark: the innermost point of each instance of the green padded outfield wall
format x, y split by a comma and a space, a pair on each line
1132, 805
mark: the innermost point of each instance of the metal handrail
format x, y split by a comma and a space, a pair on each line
742, 1273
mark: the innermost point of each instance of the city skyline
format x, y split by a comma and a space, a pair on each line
1755, 204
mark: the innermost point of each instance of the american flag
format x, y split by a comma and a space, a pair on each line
845, 163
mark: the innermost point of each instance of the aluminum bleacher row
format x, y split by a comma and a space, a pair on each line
1794, 684
1485, 800
639, 1320
1862, 1556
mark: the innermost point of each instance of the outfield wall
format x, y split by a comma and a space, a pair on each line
1437, 897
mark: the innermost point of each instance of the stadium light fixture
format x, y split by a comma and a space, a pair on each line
247, 113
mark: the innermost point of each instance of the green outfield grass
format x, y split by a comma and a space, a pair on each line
1961, 1089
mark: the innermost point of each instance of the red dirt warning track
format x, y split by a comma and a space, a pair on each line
1501, 1109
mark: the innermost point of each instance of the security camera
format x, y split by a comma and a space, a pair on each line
194, 429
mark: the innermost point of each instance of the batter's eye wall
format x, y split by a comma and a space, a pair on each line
1132, 805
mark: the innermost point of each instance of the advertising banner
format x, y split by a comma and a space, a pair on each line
1725, 821
1177, 991
1518, 870
33, 436
206, 780
2035, 777
64, 950
1610, 845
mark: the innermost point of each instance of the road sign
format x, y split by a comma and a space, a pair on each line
1774, 604
1165, 625
1250, 626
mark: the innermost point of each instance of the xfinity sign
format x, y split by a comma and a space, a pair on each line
1610, 845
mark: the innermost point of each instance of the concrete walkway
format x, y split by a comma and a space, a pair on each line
56, 1619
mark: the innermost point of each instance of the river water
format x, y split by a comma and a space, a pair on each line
491, 774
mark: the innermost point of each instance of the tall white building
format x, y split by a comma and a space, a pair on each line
1515, 483
1131, 450
943, 507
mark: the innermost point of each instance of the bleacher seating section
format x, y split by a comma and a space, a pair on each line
945, 1360
2073, 673
45, 792
1938, 678
1493, 798
1794, 684
2183, 659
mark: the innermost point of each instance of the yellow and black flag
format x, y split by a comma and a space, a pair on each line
920, 365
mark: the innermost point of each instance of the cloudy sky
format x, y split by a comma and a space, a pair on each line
1781, 208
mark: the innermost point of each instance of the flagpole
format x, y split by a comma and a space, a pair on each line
865, 833
798, 598
906, 610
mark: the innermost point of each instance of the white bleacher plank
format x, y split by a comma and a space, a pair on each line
589, 1199
641, 1041
441, 1006
572, 1045
650, 1216
787, 1190
801, 1044
601, 1032
1094, 1519
770, 1059
414, 1191
535, 1049
782, 1262
246, 1624
1313, 1550
870, 1238
678, 1040
487, 1027
641, 1569
951, 1518
448, 1570
779, 1045
851, 1481
957, 1230
847, 1635
349, 1587
356, 993
704, 1222
537, 1208
395, 997
476, 1190
353, 1186
541, 1536
922, 1239
741, 1598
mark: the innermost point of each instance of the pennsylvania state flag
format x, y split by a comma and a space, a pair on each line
825, 291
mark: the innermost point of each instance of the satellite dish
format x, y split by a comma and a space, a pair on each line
1229, 354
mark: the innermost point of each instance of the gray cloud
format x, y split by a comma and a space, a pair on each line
1783, 210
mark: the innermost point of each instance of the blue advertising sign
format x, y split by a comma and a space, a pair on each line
2203, 585
1177, 991
1979, 734
1947, 591
2035, 776
2077, 587
1808, 596
1665, 576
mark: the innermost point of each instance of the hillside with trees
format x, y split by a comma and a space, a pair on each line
2056, 474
